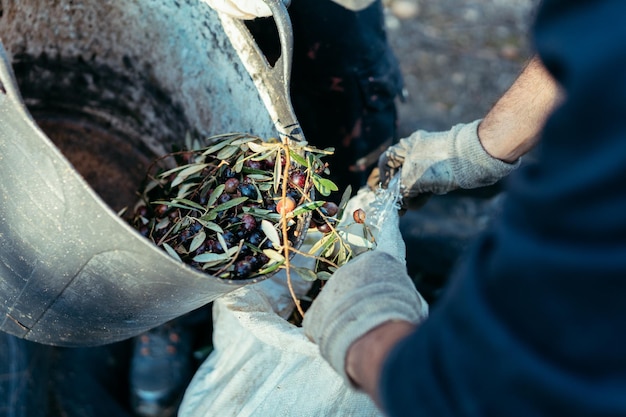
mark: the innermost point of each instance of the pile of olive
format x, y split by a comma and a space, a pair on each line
209, 211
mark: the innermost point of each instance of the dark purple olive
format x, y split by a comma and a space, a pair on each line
160, 210
201, 249
253, 164
298, 178
316, 218
231, 184
233, 220
242, 269
295, 194
213, 245
195, 228
254, 261
263, 258
269, 163
248, 222
144, 231
324, 228
223, 198
329, 208
245, 251
229, 237
256, 238
248, 190
141, 211
184, 236
228, 173
267, 244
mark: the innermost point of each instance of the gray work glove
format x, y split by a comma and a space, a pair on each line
368, 291
439, 162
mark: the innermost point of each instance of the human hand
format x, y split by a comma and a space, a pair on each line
439, 162
242, 9
368, 291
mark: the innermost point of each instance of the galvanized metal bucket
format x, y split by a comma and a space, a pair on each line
90, 92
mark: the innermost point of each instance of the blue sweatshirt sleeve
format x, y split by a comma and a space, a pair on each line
534, 321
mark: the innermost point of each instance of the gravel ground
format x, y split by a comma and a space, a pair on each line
457, 56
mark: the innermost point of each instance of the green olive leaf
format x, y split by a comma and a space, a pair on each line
227, 152
324, 185
233, 251
210, 225
230, 203
188, 204
220, 238
344, 201
218, 146
273, 255
297, 158
323, 243
162, 224
270, 267
324, 275
260, 177
173, 170
211, 264
258, 213
245, 140
187, 172
355, 240
197, 241
278, 172
304, 273
210, 257
215, 195
170, 251
209, 216
180, 205
186, 189
239, 164
329, 249
271, 233
263, 155
306, 207
260, 147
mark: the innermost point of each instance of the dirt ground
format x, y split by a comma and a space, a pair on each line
457, 56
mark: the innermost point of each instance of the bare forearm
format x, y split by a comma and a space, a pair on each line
512, 126
365, 358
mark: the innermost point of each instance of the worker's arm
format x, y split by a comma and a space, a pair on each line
479, 153
365, 357
512, 126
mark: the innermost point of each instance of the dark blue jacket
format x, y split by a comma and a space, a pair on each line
534, 323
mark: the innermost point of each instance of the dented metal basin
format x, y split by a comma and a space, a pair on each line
100, 89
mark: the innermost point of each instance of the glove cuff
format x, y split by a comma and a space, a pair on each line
473, 167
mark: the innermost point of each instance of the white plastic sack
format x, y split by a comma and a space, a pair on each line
263, 366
